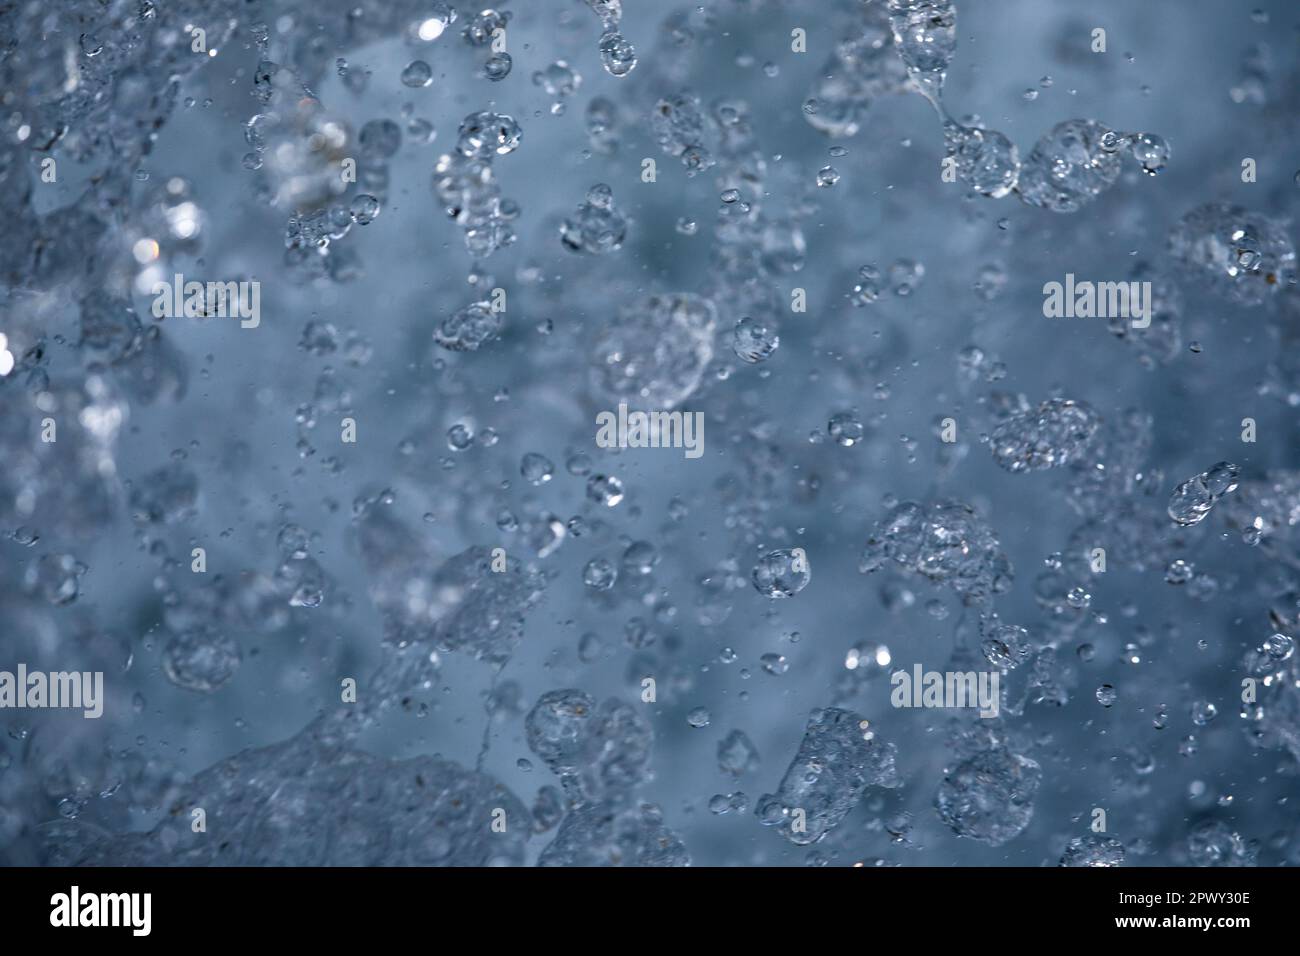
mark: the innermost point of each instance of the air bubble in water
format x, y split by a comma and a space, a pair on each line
498, 66
781, 574
417, 75
1151, 152
604, 490
469, 329
536, 469
845, 429
597, 227
599, 574
754, 342
1193, 499
617, 55
990, 796
365, 209
1244, 256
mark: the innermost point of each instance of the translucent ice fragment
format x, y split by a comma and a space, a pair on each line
1193, 499
839, 757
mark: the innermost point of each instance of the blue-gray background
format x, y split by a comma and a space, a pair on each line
1170, 69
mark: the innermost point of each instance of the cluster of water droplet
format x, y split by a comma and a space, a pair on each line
1055, 433
598, 226
465, 185
1068, 167
601, 755
839, 757
945, 541
1244, 256
617, 55
107, 85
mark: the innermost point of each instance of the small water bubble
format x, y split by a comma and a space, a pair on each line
293, 542
364, 209
827, 176
1279, 647
617, 55
599, 574
1179, 572
904, 276
1151, 151
417, 74
604, 490
845, 429
536, 469
1106, 695
640, 558
867, 289
699, 717
459, 437
498, 66
781, 574
558, 79
753, 342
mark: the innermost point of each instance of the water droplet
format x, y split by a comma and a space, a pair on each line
417, 74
